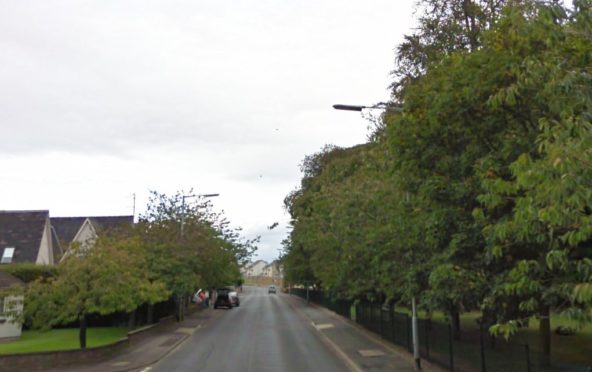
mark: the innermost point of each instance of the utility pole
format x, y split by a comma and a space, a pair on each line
134, 208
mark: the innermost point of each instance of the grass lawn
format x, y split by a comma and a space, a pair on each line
61, 339
574, 348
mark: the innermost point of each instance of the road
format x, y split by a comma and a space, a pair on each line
264, 334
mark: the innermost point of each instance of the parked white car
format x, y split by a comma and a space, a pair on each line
234, 298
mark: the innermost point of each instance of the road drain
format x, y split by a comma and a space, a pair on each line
170, 342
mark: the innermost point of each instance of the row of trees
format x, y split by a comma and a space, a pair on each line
145, 264
477, 194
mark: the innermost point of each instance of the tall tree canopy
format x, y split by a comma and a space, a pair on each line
477, 194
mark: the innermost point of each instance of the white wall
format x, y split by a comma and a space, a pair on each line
45, 253
256, 269
7, 328
86, 235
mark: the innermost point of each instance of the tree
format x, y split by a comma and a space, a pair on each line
537, 211
207, 255
491, 128
109, 277
476, 195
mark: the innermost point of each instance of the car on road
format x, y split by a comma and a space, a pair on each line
271, 289
234, 298
223, 298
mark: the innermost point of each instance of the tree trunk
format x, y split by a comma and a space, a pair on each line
455, 318
178, 307
150, 314
82, 333
182, 307
545, 334
131, 319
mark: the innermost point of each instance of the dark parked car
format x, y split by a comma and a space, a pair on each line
223, 298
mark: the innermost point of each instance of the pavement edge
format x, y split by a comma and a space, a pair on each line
327, 341
403, 353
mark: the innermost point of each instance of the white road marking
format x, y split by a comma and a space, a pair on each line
371, 353
322, 326
340, 353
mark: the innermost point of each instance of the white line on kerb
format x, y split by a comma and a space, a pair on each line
146, 369
340, 353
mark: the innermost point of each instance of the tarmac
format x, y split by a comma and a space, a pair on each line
358, 348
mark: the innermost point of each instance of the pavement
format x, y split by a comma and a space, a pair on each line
364, 350
156, 345
266, 333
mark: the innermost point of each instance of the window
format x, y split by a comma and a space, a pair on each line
7, 255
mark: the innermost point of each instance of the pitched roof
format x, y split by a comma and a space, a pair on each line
22, 230
67, 227
6, 280
111, 222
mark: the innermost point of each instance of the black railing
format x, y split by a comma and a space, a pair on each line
473, 351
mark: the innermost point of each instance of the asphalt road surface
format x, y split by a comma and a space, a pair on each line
263, 334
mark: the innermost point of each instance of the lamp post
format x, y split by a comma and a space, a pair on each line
183, 205
377, 106
414, 327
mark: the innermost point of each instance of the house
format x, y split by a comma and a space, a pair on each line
25, 236
10, 306
84, 230
272, 270
255, 269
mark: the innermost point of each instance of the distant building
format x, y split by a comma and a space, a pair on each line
273, 270
25, 236
255, 268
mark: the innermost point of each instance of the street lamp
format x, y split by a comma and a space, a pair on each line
378, 106
183, 205
414, 328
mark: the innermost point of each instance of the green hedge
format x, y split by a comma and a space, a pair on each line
28, 272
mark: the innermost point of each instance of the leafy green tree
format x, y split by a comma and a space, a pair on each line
207, 255
537, 208
476, 195
443, 27
109, 277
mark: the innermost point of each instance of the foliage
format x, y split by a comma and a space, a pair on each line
477, 195
111, 276
28, 271
207, 255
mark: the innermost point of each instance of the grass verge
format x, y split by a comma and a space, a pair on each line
61, 339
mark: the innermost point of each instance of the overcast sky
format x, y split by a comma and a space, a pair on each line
103, 99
